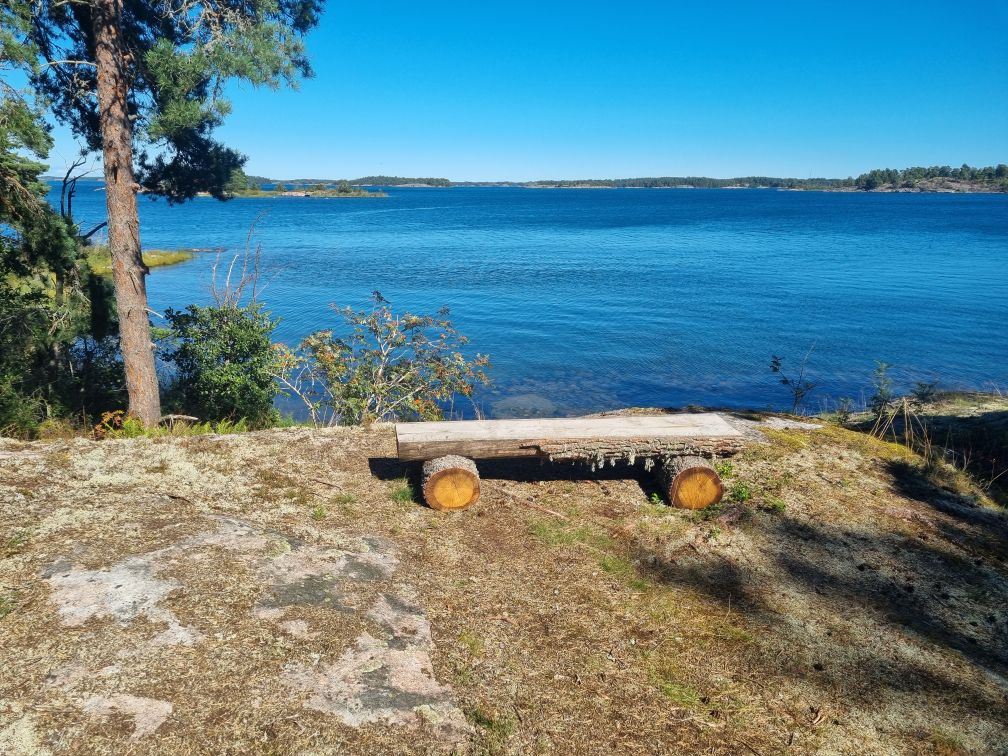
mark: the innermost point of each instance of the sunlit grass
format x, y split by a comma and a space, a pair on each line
100, 261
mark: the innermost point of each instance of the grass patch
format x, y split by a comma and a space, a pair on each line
680, 695
473, 642
565, 534
402, 492
793, 440
117, 424
724, 468
708, 513
740, 493
100, 260
498, 729
318, 512
861, 441
16, 543
624, 569
775, 504
7, 604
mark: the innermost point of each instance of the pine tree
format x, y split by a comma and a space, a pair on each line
142, 81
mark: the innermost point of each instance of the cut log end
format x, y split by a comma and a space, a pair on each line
450, 482
690, 482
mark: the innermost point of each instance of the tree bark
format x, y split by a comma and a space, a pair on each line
596, 440
128, 271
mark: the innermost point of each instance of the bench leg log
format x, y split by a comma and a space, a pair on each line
690, 482
450, 482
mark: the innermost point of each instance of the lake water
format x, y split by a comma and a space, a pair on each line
595, 299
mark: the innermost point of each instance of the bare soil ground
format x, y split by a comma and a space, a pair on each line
282, 592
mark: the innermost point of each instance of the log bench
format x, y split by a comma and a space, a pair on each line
678, 447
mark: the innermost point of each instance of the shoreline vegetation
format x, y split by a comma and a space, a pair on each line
240, 185
99, 260
933, 179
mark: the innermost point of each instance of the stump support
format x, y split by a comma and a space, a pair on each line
690, 482
450, 482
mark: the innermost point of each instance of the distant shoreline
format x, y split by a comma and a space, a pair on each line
909, 181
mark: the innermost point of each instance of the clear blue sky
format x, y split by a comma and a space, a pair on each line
519, 90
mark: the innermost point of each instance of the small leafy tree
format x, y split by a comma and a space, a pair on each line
797, 384
925, 392
386, 366
224, 362
223, 355
845, 408
882, 383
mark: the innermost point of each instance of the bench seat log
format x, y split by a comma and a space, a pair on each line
596, 440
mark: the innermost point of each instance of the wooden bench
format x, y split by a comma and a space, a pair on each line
679, 446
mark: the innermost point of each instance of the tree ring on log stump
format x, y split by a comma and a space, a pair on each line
450, 482
690, 482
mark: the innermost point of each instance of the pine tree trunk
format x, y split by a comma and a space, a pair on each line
128, 271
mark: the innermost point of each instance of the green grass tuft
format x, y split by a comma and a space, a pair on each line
740, 493
776, 505
680, 695
7, 604
560, 534
498, 728
472, 641
402, 492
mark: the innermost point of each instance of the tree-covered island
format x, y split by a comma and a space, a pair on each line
241, 185
938, 178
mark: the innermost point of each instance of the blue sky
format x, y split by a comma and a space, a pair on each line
518, 90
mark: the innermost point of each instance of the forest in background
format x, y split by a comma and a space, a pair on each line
918, 178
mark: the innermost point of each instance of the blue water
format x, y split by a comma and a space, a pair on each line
593, 299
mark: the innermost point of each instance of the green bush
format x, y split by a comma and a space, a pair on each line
224, 361
883, 395
845, 408
385, 366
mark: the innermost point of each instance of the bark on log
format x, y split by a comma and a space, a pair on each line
690, 482
596, 441
450, 482
128, 269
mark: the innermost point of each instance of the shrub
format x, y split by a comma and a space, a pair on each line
845, 408
925, 392
117, 424
883, 395
224, 361
385, 366
797, 384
